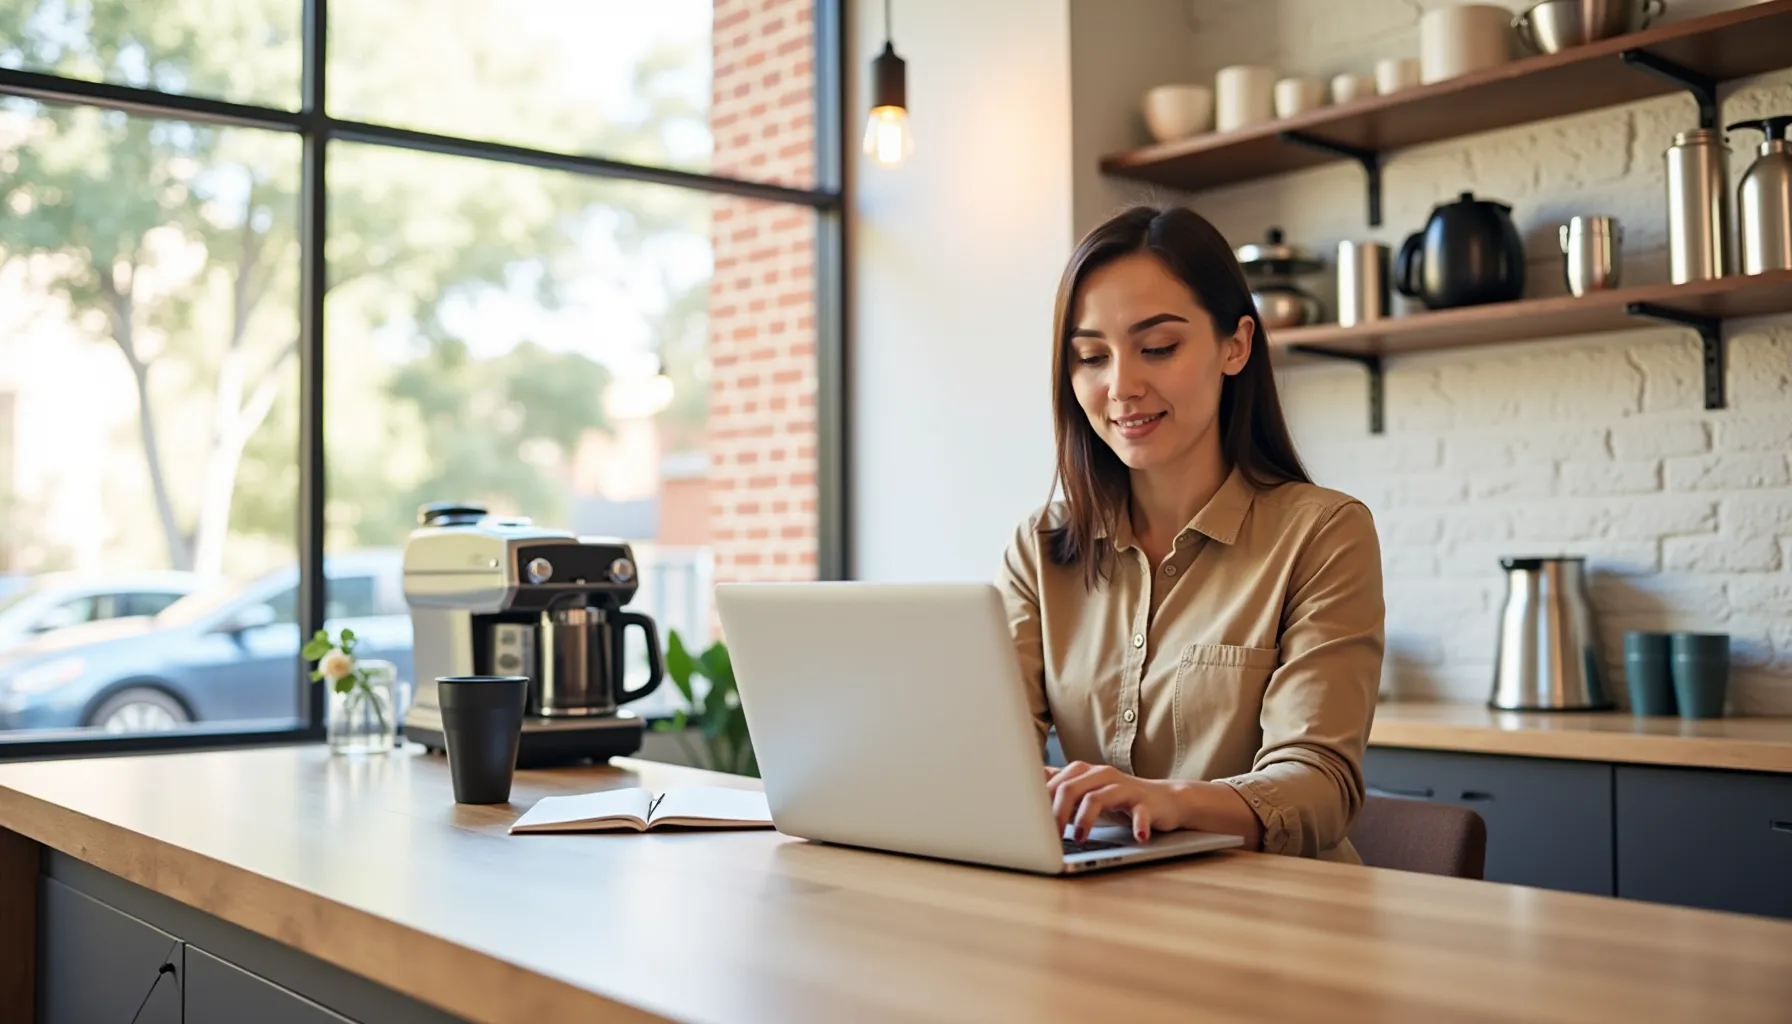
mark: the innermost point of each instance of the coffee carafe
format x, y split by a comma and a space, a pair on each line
1547, 656
503, 597
1469, 253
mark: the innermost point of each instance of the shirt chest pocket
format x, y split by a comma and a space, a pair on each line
1218, 702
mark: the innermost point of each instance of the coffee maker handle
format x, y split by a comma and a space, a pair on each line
656, 659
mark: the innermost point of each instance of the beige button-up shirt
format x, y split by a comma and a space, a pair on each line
1251, 656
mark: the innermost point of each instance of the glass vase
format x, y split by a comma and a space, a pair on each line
364, 720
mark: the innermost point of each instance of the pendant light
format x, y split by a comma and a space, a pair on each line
887, 139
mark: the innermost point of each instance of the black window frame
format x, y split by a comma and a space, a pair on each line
317, 130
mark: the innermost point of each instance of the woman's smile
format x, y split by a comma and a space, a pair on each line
1136, 427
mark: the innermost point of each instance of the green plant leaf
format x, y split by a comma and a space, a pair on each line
717, 667
679, 666
345, 684
317, 647
348, 635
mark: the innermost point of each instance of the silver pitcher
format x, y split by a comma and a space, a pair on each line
1548, 653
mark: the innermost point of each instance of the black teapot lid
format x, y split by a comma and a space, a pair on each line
1468, 199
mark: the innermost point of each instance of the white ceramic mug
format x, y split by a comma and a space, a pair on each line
1299, 95
1352, 86
1244, 95
1178, 111
1393, 74
1457, 40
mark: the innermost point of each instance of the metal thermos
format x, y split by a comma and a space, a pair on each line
1764, 200
1362, 282
1698, 229
1548, 653
1590, 251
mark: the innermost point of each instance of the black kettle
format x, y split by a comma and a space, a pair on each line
1468, 254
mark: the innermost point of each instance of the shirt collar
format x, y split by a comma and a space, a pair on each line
1220, 519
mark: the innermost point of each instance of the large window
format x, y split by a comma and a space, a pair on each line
272, 276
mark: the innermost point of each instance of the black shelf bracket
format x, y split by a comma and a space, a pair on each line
1369, 158
1711, 336
1377, 387
1702, 87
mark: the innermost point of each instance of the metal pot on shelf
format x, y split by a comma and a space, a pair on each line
1271, 266
1556, 25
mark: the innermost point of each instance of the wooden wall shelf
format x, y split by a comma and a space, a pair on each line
1720, 47
1527, 319
1700, 305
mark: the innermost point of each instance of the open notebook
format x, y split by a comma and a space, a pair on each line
639, 810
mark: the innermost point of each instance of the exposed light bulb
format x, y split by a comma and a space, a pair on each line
887, 138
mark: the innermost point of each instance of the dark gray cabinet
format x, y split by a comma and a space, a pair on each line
98, 964
1713, 839
1549, 823
223, 993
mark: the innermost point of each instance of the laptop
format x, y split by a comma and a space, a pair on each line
892, 717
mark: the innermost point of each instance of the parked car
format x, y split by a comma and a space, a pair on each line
229, 653
59, 600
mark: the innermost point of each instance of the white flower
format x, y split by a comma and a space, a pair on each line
335, 665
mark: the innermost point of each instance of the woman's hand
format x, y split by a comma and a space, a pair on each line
1081, 793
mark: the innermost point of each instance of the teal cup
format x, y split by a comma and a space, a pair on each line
1647, 673
1700, 663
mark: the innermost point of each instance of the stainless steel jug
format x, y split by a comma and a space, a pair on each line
1548, 653
1764, 200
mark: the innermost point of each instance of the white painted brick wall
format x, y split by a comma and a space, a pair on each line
1597, 446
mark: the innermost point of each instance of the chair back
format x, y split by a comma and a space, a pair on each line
1417, 835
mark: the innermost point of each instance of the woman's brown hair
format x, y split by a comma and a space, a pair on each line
1253, 436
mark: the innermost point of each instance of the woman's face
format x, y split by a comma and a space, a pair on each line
1146, 364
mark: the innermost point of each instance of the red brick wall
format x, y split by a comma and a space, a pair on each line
762, 517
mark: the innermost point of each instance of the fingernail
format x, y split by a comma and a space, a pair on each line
1141, 834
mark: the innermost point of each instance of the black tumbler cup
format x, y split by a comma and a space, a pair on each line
482, 722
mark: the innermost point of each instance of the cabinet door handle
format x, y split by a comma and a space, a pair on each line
1475, 796
1409, 794
1782, 826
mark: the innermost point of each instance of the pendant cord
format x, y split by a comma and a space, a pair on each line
887, 36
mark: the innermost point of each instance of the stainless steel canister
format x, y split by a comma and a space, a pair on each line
1590, 248
1362, 282
1698, 223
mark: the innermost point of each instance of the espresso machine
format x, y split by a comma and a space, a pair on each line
496, 596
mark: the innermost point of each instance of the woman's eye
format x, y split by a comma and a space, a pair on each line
1096, 360
1161, 350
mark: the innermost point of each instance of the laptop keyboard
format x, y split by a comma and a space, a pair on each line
1072, 846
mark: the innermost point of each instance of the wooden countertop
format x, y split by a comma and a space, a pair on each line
1744, 744
370, 865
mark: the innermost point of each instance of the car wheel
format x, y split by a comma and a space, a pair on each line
140, 710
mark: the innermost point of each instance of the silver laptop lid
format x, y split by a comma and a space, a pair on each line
891, 716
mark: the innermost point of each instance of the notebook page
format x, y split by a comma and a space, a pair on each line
713, 804
611, 808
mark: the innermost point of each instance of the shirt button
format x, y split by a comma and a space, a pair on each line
1138, 639
1130, 715
1169, 570
1255, 801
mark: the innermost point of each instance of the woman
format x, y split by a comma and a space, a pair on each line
1200, 622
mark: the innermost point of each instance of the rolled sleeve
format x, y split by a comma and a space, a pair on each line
1018, 582
1306, 781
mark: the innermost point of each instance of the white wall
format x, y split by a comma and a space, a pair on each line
1595, 445
954, 261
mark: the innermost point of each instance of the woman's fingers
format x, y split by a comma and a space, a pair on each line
1141, 822
1089, 809
1068, 788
